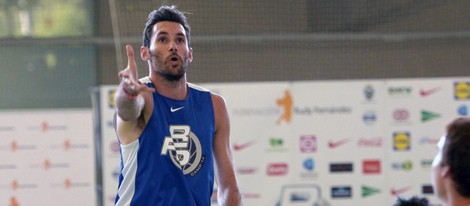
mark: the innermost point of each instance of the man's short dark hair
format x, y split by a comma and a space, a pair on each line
164, 13
456, 154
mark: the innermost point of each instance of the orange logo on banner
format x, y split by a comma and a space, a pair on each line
14, 184
13, 146
66, 144
67, 183
47, 164
44, 126
14, 202
286, 103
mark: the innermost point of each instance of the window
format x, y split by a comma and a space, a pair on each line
45, 18
47, 76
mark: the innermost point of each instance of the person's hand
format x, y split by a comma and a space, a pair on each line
129, 77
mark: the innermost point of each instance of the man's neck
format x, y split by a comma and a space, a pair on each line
177, 90
457, 200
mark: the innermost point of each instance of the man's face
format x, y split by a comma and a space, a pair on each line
439, 170
169, 52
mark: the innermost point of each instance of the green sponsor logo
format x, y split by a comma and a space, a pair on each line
407, 165
368, 191
428, 116
276, 142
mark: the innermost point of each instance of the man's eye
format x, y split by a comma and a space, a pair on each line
180, 40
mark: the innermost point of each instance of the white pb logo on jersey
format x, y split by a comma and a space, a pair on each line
184, 148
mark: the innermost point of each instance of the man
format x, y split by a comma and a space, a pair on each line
172, 132
451, 166
412, 201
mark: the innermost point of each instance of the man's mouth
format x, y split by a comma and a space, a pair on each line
174, 58
174, 61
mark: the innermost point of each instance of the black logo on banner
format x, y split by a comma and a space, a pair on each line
341, 167
427, 189
341, 192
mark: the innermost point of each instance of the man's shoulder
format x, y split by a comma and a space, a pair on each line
197, 87
145, 80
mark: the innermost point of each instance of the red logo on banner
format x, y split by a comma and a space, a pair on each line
237, 147
13, 146
44, 126
335, 144
427, 92
115, 147
401, 115
14, 185
246, 170
67, 144
371, 167
371, 142
67, 183
47, 164
277, 169
251, 196
399, 191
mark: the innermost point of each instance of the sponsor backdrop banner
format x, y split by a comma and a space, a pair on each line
47, 158
109, 145
338, 143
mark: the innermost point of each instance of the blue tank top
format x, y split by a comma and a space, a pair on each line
171, 163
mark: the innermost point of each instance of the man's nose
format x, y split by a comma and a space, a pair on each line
173, 47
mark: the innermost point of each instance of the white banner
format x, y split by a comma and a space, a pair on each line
109, 145
359, 142
47, 158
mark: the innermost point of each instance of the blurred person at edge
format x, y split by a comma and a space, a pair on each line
412, 201
451, 165
174, 135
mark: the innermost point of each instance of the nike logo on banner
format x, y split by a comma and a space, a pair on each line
425, 93
399, 191
332, 144
175, 109
238, 147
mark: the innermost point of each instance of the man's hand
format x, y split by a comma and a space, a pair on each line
130, 99
129, 77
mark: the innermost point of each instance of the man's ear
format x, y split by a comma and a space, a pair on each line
190, 54
445, 171
144, 53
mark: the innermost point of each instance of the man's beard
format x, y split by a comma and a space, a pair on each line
166, 71
172, 77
